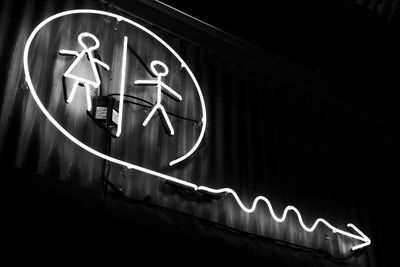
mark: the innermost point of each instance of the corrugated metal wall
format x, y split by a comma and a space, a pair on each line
267, 134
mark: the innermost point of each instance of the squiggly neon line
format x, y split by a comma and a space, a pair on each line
362, 236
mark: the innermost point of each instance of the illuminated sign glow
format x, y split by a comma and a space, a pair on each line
360, 236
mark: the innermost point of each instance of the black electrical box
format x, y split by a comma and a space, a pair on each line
105, 111
114, 107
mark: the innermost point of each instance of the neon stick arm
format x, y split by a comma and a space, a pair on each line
68, 52
104, 65
145, 82
171, 92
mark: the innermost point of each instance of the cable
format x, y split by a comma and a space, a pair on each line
104, 174
134, 97
141, 61
150, 105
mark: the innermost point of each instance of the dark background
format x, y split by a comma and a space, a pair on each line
353, 43
334, 68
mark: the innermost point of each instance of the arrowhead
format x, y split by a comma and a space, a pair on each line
362, 237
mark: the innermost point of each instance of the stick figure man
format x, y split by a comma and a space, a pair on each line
80, 56
160, 86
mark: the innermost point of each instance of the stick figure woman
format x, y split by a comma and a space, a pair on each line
80, 56
161, 87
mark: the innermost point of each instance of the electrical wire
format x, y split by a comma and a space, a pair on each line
150, 105
105, 174
134, 97
146, 67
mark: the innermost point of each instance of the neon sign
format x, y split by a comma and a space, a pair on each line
161, 87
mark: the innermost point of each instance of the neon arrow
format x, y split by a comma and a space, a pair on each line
361, 236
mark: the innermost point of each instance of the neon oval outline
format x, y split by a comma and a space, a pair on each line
71, 137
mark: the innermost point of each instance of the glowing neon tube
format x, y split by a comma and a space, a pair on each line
362, 237
122, 88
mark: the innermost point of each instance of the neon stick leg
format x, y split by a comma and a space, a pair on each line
150, 115
73, 91
88, 98
164, 113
